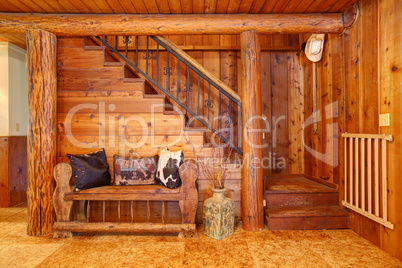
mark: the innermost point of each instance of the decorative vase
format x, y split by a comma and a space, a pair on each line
219, 212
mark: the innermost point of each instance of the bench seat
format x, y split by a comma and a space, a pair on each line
64, 196
130, 193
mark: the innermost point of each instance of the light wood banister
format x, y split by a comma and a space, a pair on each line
193, 62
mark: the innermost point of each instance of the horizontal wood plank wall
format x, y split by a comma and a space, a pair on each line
364, 76
225, 64
75, 76
89, 87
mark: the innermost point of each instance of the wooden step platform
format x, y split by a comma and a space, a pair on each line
299, 203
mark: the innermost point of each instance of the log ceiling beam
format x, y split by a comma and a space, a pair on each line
157, 24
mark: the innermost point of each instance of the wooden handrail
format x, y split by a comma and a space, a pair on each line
193, 62
387, 137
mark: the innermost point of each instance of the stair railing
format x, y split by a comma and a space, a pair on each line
366, 189
204, 79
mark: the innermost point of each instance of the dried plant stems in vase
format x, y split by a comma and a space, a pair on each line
219, 210
215, 168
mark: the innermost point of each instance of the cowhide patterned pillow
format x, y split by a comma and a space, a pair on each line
168, 168
135, 171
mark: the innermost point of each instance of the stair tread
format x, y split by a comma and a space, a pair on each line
135, 80
290, 212
295, 185
89, 47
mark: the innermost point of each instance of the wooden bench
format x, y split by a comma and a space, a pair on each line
186, 195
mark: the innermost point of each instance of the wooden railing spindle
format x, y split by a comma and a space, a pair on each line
351, 171
376, 179
369, 177
363, 176
384, 179
357, 172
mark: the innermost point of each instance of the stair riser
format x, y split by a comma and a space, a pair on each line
308, 223
301, 200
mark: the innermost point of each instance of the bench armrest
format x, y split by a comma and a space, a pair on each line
188, 172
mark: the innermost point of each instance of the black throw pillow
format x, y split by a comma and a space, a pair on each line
90, 170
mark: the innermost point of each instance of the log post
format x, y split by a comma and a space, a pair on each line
252, 173
41, 158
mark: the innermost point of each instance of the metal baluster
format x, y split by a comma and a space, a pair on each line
198, 99
116, 41
167, 72
136, 51
240, 128
178, 78
188, 84
157, 62
219, 111
127, 38
106, 38
147, 56
209, 100
230, 120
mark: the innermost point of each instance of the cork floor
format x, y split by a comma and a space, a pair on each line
327, 248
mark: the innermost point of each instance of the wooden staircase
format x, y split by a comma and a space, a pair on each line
88, 74
295, 202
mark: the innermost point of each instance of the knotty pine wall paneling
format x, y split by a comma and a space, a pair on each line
224, 63
277, 68
283, 105
362, 71
390, 100
13, 170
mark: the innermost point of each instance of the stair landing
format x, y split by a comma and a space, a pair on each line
298, 203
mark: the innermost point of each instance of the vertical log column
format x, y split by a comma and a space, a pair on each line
42, 101
252, 173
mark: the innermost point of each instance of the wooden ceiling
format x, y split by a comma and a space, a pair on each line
167, 7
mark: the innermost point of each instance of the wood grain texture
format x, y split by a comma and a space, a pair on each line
97, 227
18, 169
63, 209
171, 6
279, 94
365, 79
4, 172
85, 24
390, 73
42, 102
187, 195
252, 172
